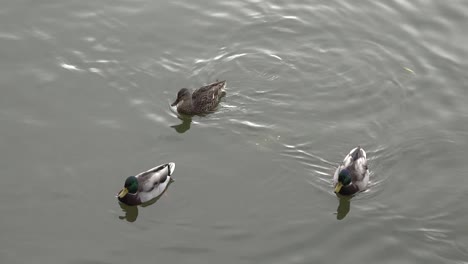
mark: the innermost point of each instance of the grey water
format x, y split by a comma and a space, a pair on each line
85, 93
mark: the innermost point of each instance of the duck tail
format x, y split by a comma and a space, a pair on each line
358, 153
170, 168
220, 84
221, 88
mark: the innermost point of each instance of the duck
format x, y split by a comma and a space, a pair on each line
147, 185
352, 175
203, 100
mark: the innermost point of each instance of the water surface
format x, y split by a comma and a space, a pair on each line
86, 88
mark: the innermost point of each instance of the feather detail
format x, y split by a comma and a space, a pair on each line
356, 164
151, 184
202, 101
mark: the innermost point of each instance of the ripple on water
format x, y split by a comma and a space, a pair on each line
320, 169
9, 36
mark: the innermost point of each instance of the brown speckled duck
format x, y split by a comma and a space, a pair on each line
202, 101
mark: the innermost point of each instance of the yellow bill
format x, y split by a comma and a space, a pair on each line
123, 192
338, 187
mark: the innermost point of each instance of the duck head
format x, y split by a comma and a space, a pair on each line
131, 186
182, 95
344, 179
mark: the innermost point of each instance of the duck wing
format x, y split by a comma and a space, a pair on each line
209, 89
359, 164
359, 169
151, 178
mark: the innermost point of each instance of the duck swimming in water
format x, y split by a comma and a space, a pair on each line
202, 101
147, 185
352, 175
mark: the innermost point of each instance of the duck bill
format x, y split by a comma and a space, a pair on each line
338, 187
175, 102
122, 193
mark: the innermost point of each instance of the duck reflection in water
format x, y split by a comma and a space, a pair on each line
343, 207
184, 126
131, 212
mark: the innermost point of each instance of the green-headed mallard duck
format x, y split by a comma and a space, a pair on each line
147, 185
352, 175
202, 101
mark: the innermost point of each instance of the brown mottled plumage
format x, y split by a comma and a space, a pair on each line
202, 101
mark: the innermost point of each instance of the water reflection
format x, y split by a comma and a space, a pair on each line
184, 126
343, 207
131, 212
